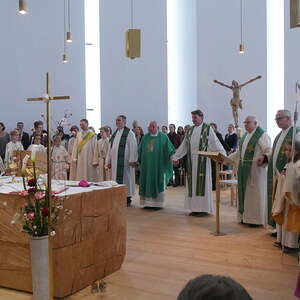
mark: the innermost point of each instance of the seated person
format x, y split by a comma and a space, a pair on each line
213, 287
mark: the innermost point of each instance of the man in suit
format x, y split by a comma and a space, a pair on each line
231, 138
24, 136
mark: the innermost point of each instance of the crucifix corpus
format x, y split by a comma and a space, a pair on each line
236, 101
47, 98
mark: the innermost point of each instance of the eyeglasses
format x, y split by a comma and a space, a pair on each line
279, 118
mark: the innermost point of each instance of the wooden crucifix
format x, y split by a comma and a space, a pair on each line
47, 98
236, 101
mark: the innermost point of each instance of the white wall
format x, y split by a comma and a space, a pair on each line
219, 58
136, 88
30, 46
292, 61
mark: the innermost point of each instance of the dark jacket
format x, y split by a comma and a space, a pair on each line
175, 139
231, 140
25, 140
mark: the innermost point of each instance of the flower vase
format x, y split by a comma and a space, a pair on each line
40, 267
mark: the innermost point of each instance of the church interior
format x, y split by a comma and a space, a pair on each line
230, 63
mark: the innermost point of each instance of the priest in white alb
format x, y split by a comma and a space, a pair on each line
200, 137
122, 156
252, 174
83, 153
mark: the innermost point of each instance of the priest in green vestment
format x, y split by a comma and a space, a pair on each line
156, 169
252, 176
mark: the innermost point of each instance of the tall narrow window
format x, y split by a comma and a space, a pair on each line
92, 62
275, 61
182, 60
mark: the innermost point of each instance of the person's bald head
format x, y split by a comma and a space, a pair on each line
152, 127
250, 123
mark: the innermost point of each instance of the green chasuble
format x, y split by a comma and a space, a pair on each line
121, 153
201, 168
280, 164
155, 164
245, 164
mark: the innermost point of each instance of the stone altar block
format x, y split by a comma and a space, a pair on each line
90, 244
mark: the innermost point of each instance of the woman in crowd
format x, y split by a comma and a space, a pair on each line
4, 139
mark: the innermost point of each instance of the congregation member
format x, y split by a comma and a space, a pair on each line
213, 287
219, 136
139, 133
252, 175
175, 140
199, 137
83, 153
164, 129
135, 124
122, 156
60, 159
39, 130
231, 138
180, 132
74, 130
100, 153
64, 137
277, 159
286, 209
13, 145
186, 128
36, 145
4, 140
155, 153
24, 136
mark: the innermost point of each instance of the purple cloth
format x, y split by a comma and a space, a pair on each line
83, 183
297, 291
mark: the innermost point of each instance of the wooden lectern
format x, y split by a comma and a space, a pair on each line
219, 159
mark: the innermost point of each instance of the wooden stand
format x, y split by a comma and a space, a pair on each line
219, 159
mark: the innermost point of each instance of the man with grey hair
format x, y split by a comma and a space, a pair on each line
155, 153
277, 161
252, 176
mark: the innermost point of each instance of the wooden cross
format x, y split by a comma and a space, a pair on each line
47, 98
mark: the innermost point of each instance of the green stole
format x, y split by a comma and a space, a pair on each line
84, 140
280, 164
201, 168
245, 164
121, 153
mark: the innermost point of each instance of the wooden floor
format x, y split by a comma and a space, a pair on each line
166, 248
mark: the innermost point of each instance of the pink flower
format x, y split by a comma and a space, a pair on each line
39, 195
30, 215
24, 193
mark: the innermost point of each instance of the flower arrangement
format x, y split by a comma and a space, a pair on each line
37, 216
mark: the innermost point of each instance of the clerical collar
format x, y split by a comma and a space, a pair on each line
119, 129
156, 134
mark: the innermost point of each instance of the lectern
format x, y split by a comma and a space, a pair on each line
219, 159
